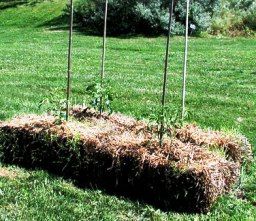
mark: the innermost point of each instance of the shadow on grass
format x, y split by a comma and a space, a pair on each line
134, 197
61, 23
52, 26
5, 4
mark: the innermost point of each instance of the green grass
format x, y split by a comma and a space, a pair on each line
221, 89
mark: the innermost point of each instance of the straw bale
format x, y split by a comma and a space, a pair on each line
121, 155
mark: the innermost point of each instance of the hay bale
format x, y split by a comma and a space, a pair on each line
119, 155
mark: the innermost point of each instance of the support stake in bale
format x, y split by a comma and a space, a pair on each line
185, 65
103, 53
165, 71
69, 58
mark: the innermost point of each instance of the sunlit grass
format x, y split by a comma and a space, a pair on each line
33, 59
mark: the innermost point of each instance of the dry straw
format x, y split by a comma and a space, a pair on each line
121, 155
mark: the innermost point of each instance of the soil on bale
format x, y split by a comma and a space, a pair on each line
121, 155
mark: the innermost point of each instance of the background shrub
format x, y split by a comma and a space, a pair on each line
141, 16
235, 17
150, 17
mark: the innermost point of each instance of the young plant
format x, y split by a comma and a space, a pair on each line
54, 105
100, 97
166, 120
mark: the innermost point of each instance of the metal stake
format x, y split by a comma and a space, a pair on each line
69, 58
165, 70
185, 65
103, 52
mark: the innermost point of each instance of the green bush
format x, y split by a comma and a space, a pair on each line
250, 17
124, 16
235, 17
150, 17
141, 16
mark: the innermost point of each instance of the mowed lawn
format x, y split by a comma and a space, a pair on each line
221, 94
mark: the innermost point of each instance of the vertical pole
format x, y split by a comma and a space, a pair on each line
166, 70
103, 52
69, 58
185, 65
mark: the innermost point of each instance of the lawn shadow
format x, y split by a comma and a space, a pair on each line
53, 25
61, 23
135, 197
5, 4
132, 196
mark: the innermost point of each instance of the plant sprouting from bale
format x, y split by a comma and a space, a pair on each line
100, 97
169, 118
54, 105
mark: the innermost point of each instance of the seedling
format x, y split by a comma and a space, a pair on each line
54, 105
166, 120
100, 97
